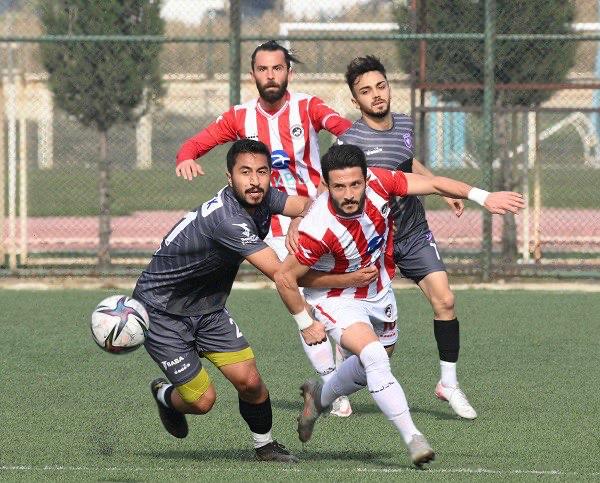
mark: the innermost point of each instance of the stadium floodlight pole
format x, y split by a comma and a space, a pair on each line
488, 126
235, 73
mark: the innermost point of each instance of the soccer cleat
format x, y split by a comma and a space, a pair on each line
419, 451
311, 392
173, 421
341, 407
457, 400
274, 451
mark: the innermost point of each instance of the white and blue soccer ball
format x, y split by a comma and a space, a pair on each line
119, 324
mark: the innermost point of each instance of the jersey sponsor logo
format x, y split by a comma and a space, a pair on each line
297, 130
385, 209
373, 151
247, 236
172, 363
181, 369
407, 140
252, 136
374, 244
306, 252
280, 159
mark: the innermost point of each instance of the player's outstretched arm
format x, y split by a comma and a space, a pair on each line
500, 202
456, 205
219, 132
286, 281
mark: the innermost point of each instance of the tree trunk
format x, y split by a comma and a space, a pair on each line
507, 182
104, 229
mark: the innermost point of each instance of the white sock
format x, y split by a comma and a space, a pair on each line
321, 358
261, 439
160, 395
448, 374
347, 379
386, 390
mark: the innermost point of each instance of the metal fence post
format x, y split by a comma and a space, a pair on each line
234, 52
488, 137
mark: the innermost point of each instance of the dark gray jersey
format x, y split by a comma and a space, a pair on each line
393, 150
193, 270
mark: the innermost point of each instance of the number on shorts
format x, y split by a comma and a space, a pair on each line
436, 251
238, 332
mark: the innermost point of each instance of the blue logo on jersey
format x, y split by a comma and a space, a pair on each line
280, 159
374, 244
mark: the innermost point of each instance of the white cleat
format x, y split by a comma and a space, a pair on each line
341, 407
419, 451
457, 400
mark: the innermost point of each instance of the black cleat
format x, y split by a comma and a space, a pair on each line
274, 451
173, 421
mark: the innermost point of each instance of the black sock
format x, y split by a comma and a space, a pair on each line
259, 417
447, 336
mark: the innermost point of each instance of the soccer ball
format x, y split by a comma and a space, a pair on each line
119, 324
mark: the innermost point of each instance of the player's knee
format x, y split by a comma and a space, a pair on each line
205, 403
443, 302
251, 386
374, 358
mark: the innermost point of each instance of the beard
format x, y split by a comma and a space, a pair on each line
241, 196
359, 205
378, 114
272, 96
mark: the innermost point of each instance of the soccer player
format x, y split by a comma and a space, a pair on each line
288, 123
186, 285
348, 228
387, 139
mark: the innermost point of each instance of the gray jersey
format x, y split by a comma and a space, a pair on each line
393, 150
193, 270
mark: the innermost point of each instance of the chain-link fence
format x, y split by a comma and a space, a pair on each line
543, 98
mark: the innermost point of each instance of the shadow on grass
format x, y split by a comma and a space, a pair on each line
363, 409
381, 458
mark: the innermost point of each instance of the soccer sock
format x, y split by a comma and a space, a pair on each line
386, 390
164, 395
321, 358
447, 335
259, 418
347, 379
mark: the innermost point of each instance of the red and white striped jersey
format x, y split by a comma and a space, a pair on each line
291, 135
333, 243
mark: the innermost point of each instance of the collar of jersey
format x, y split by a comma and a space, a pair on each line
341, 217
277, 113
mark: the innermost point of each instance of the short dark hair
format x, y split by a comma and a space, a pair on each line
341, 157
360, 66
246, 146
272, 46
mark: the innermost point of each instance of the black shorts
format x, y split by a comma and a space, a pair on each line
417, 256
177, 342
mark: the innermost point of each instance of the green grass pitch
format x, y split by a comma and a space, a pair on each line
529, 363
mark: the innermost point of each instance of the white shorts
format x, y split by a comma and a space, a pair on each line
277, 243
338, 313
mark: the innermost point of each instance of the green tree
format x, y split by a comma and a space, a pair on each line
516, 62
103, 83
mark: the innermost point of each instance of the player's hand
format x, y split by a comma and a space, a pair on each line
502, 202
458, 206
315, 334
291, 239
189, 169
364, 276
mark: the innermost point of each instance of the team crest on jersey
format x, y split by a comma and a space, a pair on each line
388, 311
280, 159
297, 130
385, 209
407, 140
